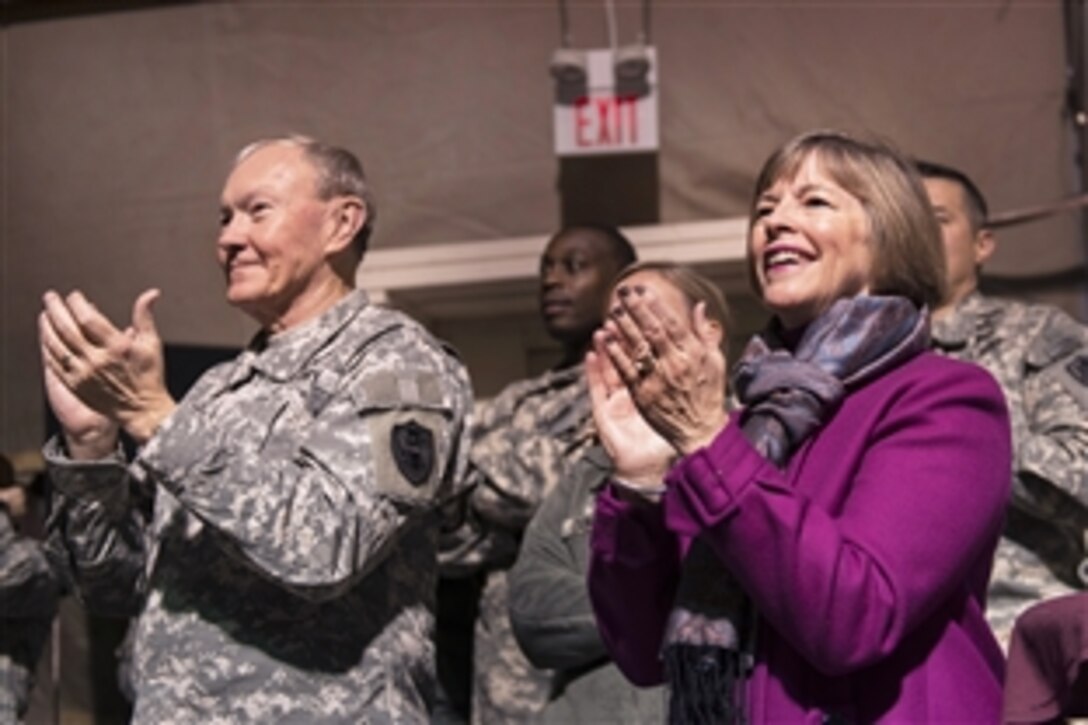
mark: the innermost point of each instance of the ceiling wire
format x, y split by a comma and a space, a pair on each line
610, 19
565, 38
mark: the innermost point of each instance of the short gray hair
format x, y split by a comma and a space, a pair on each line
339, 173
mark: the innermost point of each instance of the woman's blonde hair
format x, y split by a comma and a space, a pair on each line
908, 258
693, 286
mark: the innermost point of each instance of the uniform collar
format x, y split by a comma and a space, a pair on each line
562, 376
281, 355
965, 321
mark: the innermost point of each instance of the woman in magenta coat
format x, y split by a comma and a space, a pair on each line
822, 555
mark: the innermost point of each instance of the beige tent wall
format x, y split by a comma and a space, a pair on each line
117, 129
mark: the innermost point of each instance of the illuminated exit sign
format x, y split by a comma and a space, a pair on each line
604, 122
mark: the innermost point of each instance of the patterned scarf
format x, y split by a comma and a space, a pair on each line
787, 395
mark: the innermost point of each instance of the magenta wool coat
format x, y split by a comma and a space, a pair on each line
867, 558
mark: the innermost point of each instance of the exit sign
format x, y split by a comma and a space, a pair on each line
604, 122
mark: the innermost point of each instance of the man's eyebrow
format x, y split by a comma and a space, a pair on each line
244, 200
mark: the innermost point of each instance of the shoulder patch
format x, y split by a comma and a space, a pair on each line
1078, 369
413, 451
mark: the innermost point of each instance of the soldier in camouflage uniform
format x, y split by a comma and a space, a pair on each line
285, 571
523, 442
29, 589
1039, 355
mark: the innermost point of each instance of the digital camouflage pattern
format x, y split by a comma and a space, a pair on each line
287, 571
506, 687
29, 590
1039, 356
522, 441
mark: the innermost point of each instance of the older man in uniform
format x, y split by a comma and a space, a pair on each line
285, 569
523, 442
1039, 355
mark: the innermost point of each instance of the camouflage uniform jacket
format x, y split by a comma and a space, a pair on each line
523, 441
29, 589
286, 573
1039, 356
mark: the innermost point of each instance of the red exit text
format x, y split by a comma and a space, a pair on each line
606, 121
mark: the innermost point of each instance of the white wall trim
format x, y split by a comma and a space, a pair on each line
393, 272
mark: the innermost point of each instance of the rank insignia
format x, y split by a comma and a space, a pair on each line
413, 451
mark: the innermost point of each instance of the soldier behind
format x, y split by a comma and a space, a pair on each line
29, 589
523, 441
550, 609
1039, 355
286, 570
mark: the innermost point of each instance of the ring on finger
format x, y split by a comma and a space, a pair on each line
644, 365
66, 363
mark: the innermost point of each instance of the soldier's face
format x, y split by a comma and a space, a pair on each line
965, 249
273, 236
575, 272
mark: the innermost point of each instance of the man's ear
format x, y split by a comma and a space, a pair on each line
985, 244
347, 217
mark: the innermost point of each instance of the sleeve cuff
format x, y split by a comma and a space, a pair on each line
703, 487
627, 532
79, 478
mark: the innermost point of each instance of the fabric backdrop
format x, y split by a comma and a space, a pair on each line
117, 129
